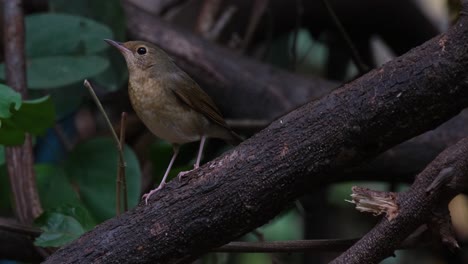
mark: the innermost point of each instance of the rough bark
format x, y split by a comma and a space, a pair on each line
403, 162
238, 92
249, 185
19, 158
415, 207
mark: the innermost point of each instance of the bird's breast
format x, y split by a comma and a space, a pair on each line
166, 116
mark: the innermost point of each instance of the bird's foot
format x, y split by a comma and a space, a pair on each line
183, 173
148, 195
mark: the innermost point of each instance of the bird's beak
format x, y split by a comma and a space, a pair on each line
118, 45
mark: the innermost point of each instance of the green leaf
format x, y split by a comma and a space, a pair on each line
2, 155
92, 166
66, 99
9, 99
65, 35
115, 76
62, 225
287, 226
59, 71
10, 135
109, 12
35, 116
55, 189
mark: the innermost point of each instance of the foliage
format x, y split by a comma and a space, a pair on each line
60, 57
93, 167
18, 117
109, 13
62, 50
62, 226
82, 192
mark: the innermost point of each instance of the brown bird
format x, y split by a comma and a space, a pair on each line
169, 102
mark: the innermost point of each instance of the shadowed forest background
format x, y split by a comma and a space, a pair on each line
258, 60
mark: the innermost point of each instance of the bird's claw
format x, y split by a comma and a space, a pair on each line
146, 196
182, 174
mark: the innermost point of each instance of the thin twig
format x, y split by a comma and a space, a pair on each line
258, 10
318, 245
221, 23
362, 67
63, 138
314, 245
15, 227
88, 85
121, 161
122, 164
206, 16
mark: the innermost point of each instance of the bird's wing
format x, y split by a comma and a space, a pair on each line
188, 91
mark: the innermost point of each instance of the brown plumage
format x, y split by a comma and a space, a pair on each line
169, 102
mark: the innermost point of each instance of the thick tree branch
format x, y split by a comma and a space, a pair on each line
417, 206
403, 162
238, 93
19, 159
249, 185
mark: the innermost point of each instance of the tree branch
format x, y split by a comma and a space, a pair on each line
416, 207
242, 86
20, 159
403, 162
249, 185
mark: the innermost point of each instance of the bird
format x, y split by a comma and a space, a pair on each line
170, 103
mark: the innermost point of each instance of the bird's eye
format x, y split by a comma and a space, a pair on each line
141, 50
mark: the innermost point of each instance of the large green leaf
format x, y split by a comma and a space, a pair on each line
65, 217
8, 99
92, 166
65, 35
109, 12
65, 100
35, 116
59, 71
11, 135
55, 189
2, 155
62, 225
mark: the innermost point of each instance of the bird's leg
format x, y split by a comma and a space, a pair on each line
197, 163
200, 152
163, 181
